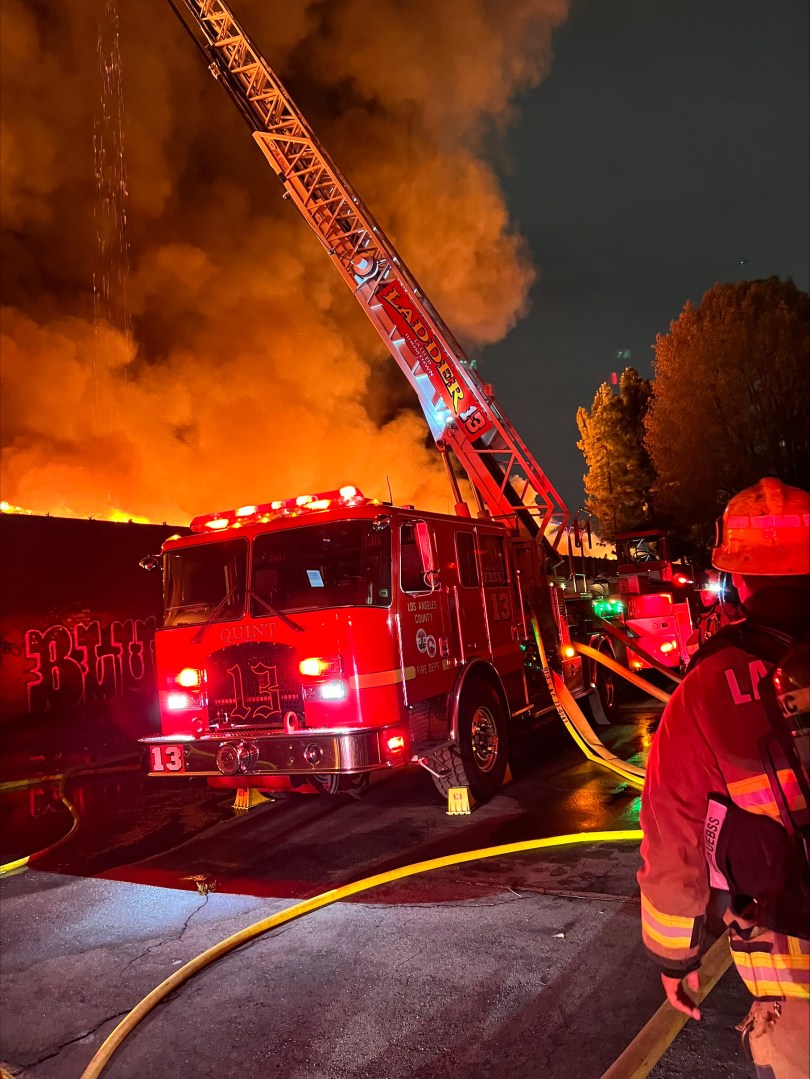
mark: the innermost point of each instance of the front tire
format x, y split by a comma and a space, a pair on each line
478, 760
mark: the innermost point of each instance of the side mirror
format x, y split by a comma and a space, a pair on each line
423, 542
381, 522
433, 579
150, 562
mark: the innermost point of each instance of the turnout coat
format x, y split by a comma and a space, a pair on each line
708, 743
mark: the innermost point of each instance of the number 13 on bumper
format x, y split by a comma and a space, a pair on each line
167, 758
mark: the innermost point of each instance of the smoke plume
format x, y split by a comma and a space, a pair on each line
227, 363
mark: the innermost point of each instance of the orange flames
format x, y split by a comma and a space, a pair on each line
64, 511
249, 373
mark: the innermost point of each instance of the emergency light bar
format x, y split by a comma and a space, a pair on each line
290, 507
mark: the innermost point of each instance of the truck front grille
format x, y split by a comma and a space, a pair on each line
254, 685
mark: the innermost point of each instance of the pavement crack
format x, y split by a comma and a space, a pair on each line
579, 893
167, 940
72, 1041
409, 958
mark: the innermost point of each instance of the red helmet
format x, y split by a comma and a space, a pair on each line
765, 531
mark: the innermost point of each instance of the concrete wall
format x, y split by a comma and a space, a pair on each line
77, 624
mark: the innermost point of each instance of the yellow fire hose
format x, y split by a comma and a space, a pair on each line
325, 899
632, 645
63, 779
583, 735
575, 722
630, 676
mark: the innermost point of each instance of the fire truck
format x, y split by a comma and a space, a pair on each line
314, 639
647, 612
656, 599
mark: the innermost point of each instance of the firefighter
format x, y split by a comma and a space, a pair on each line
708, 795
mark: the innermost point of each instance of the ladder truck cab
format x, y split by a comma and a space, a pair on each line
311, 641
653, 601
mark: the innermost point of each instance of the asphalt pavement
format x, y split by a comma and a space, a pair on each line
514, 984
526, 966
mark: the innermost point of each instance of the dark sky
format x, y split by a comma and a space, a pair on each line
667, 145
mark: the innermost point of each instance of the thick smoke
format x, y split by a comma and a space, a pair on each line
243, 370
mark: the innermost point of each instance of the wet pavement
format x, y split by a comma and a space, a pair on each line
518, 966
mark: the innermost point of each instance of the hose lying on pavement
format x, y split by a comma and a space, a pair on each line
583, 735
141, 1010
649, 1045
63, 778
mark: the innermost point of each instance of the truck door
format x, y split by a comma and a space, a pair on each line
499, 602
423, 616
471, 618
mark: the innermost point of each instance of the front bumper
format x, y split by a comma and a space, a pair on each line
302, 753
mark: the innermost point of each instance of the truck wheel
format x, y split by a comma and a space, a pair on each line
478, 761
607, 687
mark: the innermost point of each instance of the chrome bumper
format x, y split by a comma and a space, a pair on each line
299, 753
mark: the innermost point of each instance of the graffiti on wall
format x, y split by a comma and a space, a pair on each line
88, 663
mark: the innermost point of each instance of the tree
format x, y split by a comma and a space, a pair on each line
620, 476
731, 398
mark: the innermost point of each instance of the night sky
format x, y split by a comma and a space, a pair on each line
668, 144
561, 177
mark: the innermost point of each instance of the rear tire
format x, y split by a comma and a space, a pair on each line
607, 687
478, 760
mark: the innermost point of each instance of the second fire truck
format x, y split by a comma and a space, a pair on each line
313, 639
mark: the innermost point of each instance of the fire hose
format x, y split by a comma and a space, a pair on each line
583, 735
574, 720
576, 724
633, 646
634, 1063
62, 778
578, 727
617, 668
325, 899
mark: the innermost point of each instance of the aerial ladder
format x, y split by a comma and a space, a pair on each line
256, 688
462, 414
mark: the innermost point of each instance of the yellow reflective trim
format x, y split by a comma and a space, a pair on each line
381, 678
758, 782
670, 943
776, 989
766, 959
672, 921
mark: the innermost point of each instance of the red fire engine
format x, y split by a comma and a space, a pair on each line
654, 594
310, 641
653, 600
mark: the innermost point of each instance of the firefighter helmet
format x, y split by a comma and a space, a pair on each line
765, 531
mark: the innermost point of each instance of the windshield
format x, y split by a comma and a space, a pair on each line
198, 580
642, 549
343, 564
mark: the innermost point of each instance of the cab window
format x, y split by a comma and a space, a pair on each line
411, 567
465, 556
493, 560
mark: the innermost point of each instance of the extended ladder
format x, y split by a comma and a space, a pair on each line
461, 412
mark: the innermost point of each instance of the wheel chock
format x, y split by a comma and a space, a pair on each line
459, 801
247, 798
